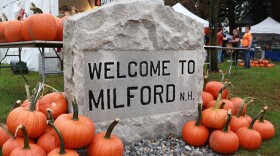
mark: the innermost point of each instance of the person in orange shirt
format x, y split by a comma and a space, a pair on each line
246, 43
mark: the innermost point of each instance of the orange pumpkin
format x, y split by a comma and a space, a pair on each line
106, 144
61, 27
34, 121
239, 121
2, 36
12, 31
265, 62
42, 27
72, 126
13, 143
228, 104
248, 137
27, 149
269, 65
58, 21
55, 101
264, 127
214, 117
194, 133
213, 87
237, 102
61, 150
24, 30
241, 64
48, 142
26, 104
5, 134
248, 118
206, 98
224, 141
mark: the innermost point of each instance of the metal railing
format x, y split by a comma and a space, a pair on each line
231, 49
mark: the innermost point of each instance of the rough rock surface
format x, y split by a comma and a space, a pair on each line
128, 26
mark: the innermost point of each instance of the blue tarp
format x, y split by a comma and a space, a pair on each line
273, 55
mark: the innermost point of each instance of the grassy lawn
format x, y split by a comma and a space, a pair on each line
261, 83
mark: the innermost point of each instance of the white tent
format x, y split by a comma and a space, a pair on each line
181, 9
267, 26
268, 29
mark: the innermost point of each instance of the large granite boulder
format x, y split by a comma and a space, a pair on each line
134, 33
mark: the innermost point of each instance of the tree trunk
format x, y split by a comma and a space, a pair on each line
213, 20
231, 15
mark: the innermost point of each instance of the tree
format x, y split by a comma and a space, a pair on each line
213, 22
274, 10
198, 7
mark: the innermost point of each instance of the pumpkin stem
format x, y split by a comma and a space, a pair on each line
229, 94
241, 108
53, 89
16, 104
35, 96
255, 119
110, 129
50, 115
205, 77
6, 130
199, 117
75, 109
218, 101
222, 105
261, 117
27, 92
226, 84
62, 146
25, 136
243, 105
223, 76
229, 116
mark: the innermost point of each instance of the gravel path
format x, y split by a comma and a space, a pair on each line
166, 146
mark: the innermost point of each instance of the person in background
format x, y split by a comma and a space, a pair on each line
246, 43
224, 44
220, 39
206, 36
235, 41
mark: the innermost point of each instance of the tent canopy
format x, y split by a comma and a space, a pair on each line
181, 9
267, 26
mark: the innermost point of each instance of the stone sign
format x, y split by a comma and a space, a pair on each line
131, 84
137, 60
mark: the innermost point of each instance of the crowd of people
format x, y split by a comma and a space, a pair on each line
236, 41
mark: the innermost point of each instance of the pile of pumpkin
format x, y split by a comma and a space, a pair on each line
223, 122
42, 126
259, 63
35, 27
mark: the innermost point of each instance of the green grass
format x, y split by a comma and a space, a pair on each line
260, 83
12, 88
